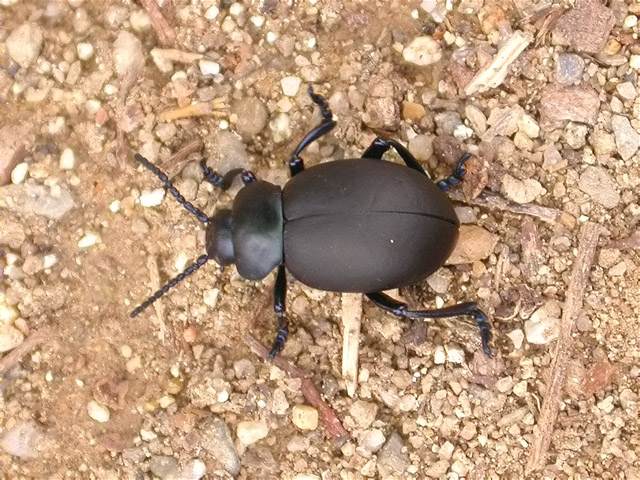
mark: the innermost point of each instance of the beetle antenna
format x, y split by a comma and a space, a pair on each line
170, 284
193, 210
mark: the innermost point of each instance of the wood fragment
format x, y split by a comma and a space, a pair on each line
328, 416
158, 306
491, 200
532, 257
589, 235
14, 357
166, 33
215, 108
351, 317
494, 74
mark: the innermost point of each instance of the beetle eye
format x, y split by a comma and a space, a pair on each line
219, 238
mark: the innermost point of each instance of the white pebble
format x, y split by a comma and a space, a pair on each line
634, 62
210, 297
422, 51
209, 67
19, 173
290, 85
630, 22
85, 50
462, 132
212, 13
195, 469
271, 37
7, 313
140, 21
88, 240
455, 354
439, 355
152, 198
98, 412
114, 206
49, 260
67, 159
251, 432
10, 338
182, 259
236, 9
257, 20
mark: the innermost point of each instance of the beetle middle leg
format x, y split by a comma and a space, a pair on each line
381, 145
279, 307
456, 177
225, 181
400, 309
296, 165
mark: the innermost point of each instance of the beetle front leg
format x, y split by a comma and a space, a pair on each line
279, 307
225, 181
456, 177
400, 309
381, 145
296, 164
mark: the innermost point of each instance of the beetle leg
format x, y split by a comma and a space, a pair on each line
400, 309
279, 300
456, 177
225, 181
296, 164
199, 214
381, 145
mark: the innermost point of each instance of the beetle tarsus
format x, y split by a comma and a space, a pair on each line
380, 146
225, 181
279, 307
457, 176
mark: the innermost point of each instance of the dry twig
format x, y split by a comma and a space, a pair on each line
166, 33
351, 317
176, 162
215, 108
12, 358
572, 307
330, 420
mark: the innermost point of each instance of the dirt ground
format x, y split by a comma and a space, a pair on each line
543, 94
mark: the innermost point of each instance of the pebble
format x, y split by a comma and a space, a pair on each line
421, 147
194, 470
517, 337
85, 51
88, 240
19, 173
250, 432
422, 51
586, 27
440, 280
10, 338
218, 443
521, 191
128, 55
528, 125
8, 313
209, 67
67, 159
280, 128
212, 12
140, 21
600, 186
25, 43
22, 440
634, 62
627, 90
569, 68
455, 354
543, 327
439, 355
437, 469
305, 417
98, 412
364, 413
33, 199
413, 112
474, 243
627, 137
164, 467
252, 116
393, 459
476, 118
152, 198
559, 104
372, 440
290, 85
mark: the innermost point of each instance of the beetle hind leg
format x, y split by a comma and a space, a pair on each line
381, 145
279, 300
469, 308
296, 164
456, 177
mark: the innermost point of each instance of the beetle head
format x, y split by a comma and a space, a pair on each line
219, 239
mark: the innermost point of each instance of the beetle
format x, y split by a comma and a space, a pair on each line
356, 225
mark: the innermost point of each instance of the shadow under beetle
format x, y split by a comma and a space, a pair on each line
358, 225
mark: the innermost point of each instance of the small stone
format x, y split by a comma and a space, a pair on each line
10, 338
586, 27
280, 128
290, 85
606, 405
85, 51
88, 240
381, 112
544, 324
25, 43
634, 62
128, 55
164, 467
476, 118
422, 51
67, 159
575, 135
552, 159
23, 440
252, 116
304, 417
517, 337
560, 104
630, 21
569, 68
413, 112
372, 440
474, 244
19, 173
618, 270
98, 412
627, 137
455, 354
440, 280
627, 90
217, 441
421, 147
194, 470
205, 389
439, 355
521, 191
364, 413
212, 12
393, 459
140, 21
504, 121
209, 67
8, 313
152, 198
437, 469
600, 186
250, 432
505, 384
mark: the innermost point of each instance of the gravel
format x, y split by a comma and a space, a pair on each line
422, 51
474, 243
627, 137
25, 43
600, 186
250, 432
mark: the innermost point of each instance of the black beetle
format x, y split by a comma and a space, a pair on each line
358, 225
